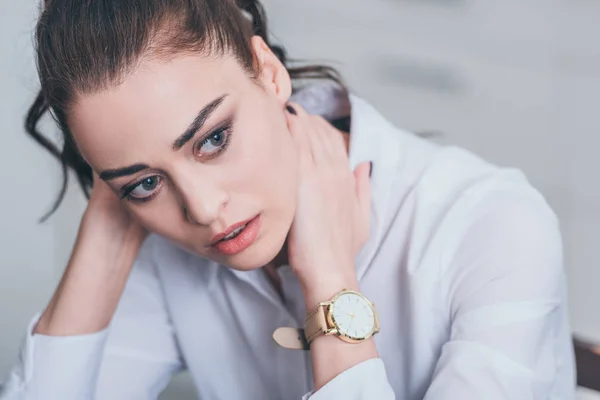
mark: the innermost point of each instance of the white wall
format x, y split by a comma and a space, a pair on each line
514, 80
28, 179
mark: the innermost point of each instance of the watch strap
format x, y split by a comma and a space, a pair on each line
290, 338
315, 324
300, 339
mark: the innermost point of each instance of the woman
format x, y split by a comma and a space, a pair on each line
266, 214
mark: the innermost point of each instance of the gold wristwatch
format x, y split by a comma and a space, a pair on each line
349, 315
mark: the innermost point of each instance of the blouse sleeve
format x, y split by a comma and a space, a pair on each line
133, 358
510, 336
364, 381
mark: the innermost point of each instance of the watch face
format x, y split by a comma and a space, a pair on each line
353, 315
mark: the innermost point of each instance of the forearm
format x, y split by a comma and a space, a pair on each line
91, 286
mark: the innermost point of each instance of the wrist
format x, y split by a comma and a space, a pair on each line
98, 235
324, 287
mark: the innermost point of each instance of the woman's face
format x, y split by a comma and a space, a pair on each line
195, 146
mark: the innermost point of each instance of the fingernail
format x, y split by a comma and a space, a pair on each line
291, 110
370, 168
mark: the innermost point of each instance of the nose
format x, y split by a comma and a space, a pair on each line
201, 206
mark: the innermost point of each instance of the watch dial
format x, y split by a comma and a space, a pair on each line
353, 315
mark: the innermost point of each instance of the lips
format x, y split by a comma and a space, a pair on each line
221, 236
238, 237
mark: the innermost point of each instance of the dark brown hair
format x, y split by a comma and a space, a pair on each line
84, 46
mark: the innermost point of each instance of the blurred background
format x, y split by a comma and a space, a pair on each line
516, 81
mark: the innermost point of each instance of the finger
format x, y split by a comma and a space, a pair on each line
363, 188
327, 145
327, 138
318, 138
298, 109
337, 146
307, 133
295, 127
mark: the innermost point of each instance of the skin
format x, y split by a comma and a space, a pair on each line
138, 121
291, 169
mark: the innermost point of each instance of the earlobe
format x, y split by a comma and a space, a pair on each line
272, 73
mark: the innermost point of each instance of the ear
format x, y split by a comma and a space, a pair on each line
273, 75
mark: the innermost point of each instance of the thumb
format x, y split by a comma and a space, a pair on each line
362, 177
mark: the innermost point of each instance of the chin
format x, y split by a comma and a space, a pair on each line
261, 253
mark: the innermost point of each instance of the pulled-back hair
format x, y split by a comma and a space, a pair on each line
85, 46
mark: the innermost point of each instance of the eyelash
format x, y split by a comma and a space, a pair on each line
225, 130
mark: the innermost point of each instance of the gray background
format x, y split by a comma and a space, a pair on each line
516, 81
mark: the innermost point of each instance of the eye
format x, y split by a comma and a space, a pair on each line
144, 190
214, 143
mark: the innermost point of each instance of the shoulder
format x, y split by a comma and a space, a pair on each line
462, 203
446, 192
460, 188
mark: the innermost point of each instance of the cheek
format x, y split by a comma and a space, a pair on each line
162, 215
271, 159
266, 155
159, 216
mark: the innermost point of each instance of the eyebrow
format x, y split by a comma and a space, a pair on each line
189, 133
198, 122
119, 172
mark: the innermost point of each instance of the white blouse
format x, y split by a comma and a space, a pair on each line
464, 264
